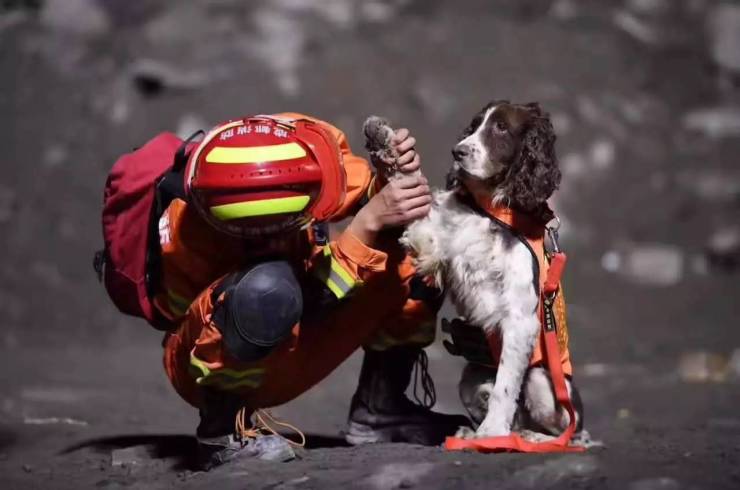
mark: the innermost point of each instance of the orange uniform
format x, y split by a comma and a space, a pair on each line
372, 286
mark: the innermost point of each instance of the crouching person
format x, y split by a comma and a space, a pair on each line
266, 306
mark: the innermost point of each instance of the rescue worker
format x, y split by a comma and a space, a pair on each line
267, 306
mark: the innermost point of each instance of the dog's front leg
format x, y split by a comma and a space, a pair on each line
518, 333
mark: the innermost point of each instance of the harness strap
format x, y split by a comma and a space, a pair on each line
514, 442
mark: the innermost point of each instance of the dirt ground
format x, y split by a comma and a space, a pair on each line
643, 94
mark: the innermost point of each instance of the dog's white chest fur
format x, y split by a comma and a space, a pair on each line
486, 270
489, 275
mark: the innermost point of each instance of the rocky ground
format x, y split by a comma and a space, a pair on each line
645, 98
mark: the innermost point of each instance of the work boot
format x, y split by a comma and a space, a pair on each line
380, 410
218, 441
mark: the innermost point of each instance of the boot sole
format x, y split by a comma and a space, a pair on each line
359, 434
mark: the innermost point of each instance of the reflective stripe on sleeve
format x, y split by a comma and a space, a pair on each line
225, 378
336, 277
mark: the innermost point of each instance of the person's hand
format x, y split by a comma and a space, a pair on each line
408, 159
398, 203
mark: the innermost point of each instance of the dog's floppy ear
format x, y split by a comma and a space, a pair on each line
536, 174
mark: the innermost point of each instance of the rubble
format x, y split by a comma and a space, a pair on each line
77, 17
703, 367
723, 249
660, 483
54, 421
652, 264
54, 156
714, 122
553, 471
130, 456
635, 27
723, 30
151, 77
395, 475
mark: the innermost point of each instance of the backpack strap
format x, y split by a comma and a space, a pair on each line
168, 187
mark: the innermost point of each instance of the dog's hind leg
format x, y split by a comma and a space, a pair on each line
543, 412
518, 336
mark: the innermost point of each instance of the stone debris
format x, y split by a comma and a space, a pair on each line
635, 27
151, 77
733, 364
723, 30
54, 421
553, 471
651, 264
130, 456
703, 367
54, 156
76, 17
649, 7
713, 186
397, 475
660, 483
714, 122
602, 154
723, 249
564, 9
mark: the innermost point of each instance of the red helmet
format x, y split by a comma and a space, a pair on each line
262, 175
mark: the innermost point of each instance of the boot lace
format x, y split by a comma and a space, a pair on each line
264, 423
422, 378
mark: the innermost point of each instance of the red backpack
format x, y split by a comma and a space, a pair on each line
139, 188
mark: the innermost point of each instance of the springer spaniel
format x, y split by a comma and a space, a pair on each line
504, 158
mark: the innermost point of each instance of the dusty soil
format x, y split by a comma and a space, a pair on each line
648, 122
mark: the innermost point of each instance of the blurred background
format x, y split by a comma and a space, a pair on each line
645, 99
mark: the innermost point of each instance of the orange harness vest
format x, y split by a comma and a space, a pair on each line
552, 345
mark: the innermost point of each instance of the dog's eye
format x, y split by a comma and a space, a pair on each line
500, 127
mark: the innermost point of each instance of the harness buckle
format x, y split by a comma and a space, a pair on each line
554, 236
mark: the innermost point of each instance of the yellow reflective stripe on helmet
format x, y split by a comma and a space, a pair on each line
225, 377
264, 207
255, 154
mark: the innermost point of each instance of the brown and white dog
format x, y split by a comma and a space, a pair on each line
505, 157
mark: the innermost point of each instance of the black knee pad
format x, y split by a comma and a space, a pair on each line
259, 310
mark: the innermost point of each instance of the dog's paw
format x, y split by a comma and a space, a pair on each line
583, 439
465, 432
492, 430
532, 436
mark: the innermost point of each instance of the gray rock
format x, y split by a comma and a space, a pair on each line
723, 248
723, 30
130, 456
152, 76
77, 17
652, 264
553, 471
714, 122
649, 7
402, 475
660, 483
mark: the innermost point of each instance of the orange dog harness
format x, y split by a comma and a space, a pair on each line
523, 228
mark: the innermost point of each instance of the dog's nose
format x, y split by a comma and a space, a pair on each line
460, 151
